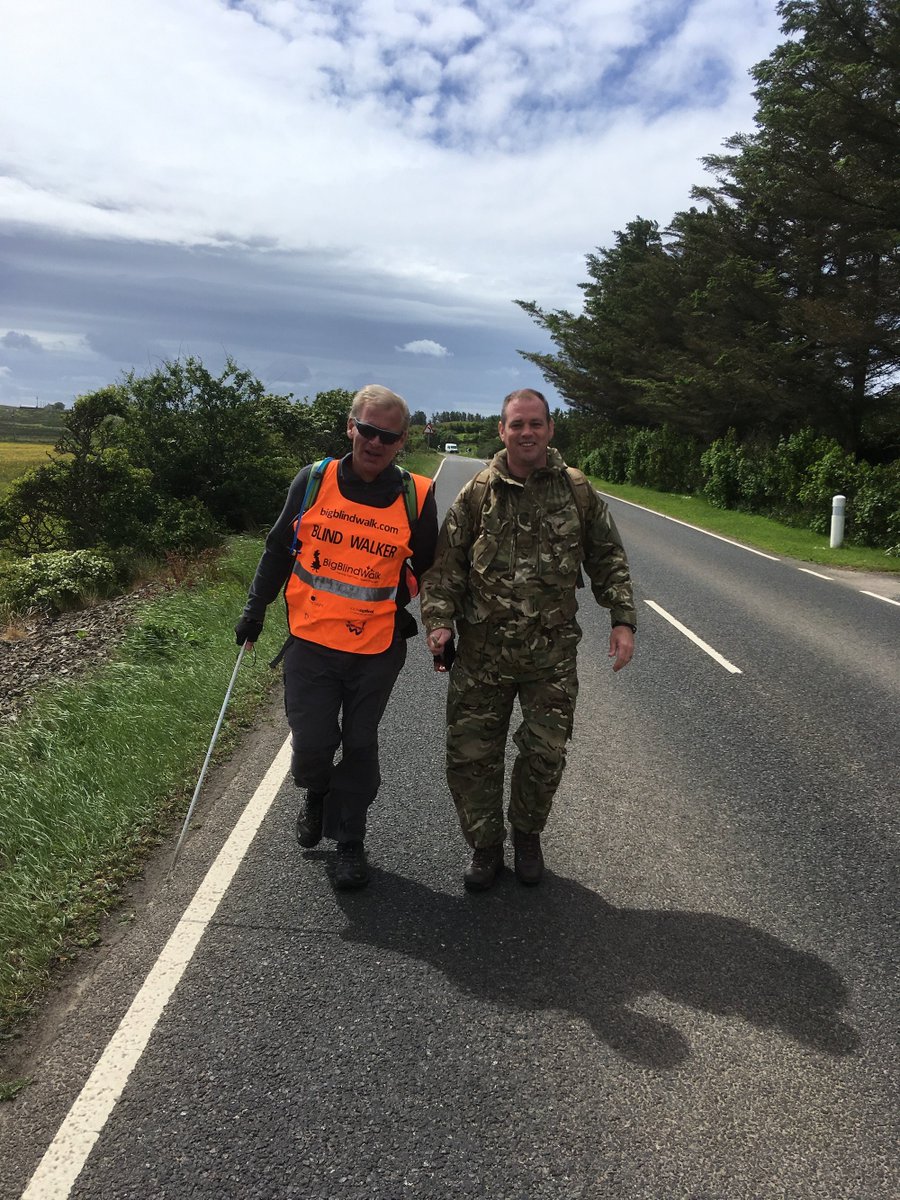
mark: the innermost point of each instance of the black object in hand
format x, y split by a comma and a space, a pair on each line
444, 660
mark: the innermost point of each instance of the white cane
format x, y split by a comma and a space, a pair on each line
190, 810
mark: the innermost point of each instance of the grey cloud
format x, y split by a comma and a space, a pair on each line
21, 341
301, 322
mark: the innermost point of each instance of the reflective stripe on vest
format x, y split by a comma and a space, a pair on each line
343, 587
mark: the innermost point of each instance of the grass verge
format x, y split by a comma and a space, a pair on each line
96, 769
421, 462
760, 532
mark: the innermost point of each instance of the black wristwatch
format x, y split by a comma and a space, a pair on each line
633, 628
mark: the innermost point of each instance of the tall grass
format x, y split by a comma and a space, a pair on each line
18, 457
95, 769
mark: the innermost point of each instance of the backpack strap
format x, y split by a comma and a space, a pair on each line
478, 494
410, 497
313, 483
581, 490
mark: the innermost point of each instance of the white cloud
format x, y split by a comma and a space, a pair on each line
425, 346
464, 154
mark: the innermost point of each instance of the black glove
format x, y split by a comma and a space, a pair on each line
247, 630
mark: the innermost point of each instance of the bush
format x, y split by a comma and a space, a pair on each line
723, 464
57, 581
609, 459
184, 526
835, 473
873, 514
663, 459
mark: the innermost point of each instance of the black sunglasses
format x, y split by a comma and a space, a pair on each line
370, 432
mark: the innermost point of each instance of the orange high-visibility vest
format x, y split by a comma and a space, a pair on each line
342, 591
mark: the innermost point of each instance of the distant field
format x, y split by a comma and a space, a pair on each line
30, 424
17, 457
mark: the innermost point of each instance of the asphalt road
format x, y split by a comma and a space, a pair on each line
699, 1001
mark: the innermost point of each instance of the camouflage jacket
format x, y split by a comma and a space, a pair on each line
509, 555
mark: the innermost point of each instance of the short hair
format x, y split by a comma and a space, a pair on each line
379, 397
520, 394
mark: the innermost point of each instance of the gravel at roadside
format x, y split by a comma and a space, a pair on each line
48, 648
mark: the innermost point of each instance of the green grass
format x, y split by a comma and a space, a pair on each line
760, 532
421, 461
94, 771
30, 424
18, 457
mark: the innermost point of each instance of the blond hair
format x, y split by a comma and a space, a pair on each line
379, 397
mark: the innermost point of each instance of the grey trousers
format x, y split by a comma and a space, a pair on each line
335, 700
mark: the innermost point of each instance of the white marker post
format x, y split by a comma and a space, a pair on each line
838, 506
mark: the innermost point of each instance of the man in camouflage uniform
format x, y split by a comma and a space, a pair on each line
507, 565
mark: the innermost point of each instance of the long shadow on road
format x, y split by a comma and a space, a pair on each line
562, 946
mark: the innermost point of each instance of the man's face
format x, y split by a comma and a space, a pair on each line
370, 454
526, 434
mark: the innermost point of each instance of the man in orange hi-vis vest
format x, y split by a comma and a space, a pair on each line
353, 537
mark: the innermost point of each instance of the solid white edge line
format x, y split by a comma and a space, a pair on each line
693, 637
687, 525
875, 596
67, 1153
818, 574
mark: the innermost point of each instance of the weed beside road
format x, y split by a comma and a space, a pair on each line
95, 770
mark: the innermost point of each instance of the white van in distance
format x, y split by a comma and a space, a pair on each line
451, 448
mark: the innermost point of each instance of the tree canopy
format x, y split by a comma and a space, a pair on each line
777, 304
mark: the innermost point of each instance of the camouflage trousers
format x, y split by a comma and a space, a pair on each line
479, 707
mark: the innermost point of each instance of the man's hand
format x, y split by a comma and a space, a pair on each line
247, 631
440, 643
621, 646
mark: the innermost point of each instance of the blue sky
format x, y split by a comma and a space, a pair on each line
339, 193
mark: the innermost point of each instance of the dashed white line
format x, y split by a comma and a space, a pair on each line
875, 596
818, 574
68, 1152
687, 525
696, 640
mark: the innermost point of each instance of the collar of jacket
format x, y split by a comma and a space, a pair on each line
389, 484
500, 465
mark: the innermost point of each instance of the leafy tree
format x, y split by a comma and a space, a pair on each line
624, 337
330, 411
818, 189
777, 306
218, 439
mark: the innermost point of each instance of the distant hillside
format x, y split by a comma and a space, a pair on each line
30, 424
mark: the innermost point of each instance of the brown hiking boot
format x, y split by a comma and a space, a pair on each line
528, 857
486, 865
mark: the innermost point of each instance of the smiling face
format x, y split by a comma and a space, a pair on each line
370, 455
526, 434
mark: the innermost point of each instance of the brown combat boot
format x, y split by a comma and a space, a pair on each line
528, 857
486, 865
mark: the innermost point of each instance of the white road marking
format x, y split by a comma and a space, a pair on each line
68, 1152
875, 596
687, 525
818, 575
693, 637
